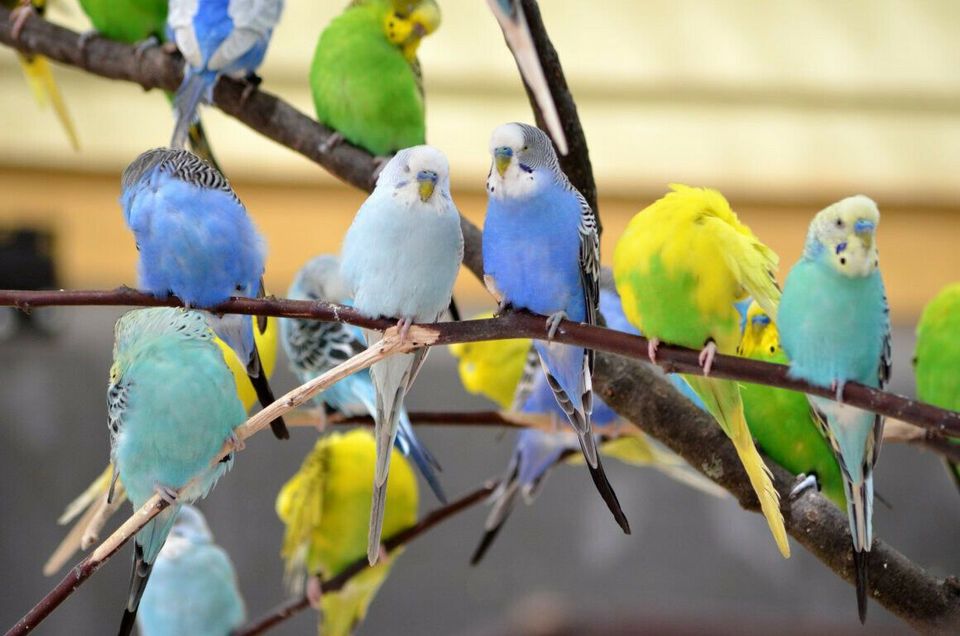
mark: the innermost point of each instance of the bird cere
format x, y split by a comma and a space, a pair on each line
687, 275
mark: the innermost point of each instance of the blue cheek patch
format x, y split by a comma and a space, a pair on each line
841, 247
760, 320
525, 168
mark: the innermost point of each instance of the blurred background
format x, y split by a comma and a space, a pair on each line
783, 106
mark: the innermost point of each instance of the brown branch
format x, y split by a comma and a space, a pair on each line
672, 358
285, 610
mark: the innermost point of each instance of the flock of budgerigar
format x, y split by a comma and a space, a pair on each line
686, 271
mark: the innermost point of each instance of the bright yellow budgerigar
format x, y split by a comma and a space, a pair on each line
91, 506
326, 509
491, 368
39, 76
680, 266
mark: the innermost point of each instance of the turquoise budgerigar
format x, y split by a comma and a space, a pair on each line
197, 242
541, 252
193, 587
172, 405
835, 327
315, 347
400, 259
217, 37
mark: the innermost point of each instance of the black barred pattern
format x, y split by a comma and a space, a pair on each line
182, 164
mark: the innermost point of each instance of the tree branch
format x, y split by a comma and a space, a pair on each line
285, 610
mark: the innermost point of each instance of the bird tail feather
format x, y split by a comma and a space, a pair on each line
44, 87
265, 395
860, 515
196, 87
146, 547
605, 488
722, 399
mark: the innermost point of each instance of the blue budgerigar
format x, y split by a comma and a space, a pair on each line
541, 252
400, 259
172, 404
193, 587
216, 37
314, 347
197, 242
835, 327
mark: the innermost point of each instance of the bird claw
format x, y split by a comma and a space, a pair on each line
707, 354
553, 323
403, 326
382, 554
314, 591
166, 493
236, 441
144, 46
253, 83
652, 345
331, 142
837, 387
804, 483
19, 17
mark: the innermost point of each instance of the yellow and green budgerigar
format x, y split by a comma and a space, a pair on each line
936, 362
679, 267
84, 507
365, 76
780, 420
326, 509
39, 76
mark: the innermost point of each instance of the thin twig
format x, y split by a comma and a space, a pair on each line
285, 610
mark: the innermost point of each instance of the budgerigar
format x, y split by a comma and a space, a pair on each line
541, 252
36, 68
193, 587
400, 259
835, 328
936, 363
324, 507
781, 421
365, 75
217, 37
197, 242
172, 405
314, 347
141, 22
680, 266
513, 22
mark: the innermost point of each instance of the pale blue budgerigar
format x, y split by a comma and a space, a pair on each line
541, 252
197, 242
400, 259
314, 347
193, 587
216, 37
516, 32
835, 327
172, 403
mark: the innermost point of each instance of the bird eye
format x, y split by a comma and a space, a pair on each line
839, 223
773, 349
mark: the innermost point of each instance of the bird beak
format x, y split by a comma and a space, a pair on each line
502, 156
419, 30
428, 182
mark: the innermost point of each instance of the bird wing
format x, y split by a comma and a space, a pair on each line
589, 265
531, 369
180, 21
252, 21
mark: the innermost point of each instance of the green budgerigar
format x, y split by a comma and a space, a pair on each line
936, 362
780, 420
365, 75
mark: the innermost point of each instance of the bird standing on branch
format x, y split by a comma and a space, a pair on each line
400, 258
835, 327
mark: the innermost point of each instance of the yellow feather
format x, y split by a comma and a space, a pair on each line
36, 68
267, 346
493, 368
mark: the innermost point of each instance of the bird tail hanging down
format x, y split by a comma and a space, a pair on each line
722, 399
44, 87
425, 462
265, 394
391, 378
196, 88
146, 547
504, 499
860, 514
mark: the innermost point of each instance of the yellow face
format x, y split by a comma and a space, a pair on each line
847, 231
266, 346
409, 22
760, 337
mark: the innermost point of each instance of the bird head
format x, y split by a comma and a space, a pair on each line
408, 22
320, 280
419, 176
844, 235
519, 152
760, 337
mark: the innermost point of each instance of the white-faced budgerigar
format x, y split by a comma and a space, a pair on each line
400, 259
541, 252
365, 76
314, 347
937, 358
172, 405
324, 508
197, 242
680, 266
36, 68
835, 328
780, 420
193, 587
217, 37
513, 22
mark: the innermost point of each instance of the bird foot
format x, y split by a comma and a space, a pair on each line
707, 354
803, 484
403, 325
19, 17
237, 442
330, 143
144, 46
837, 387
379, 162
314, 591
166, 493
553, 323
253, 83
652, 345
382, 554
322, 422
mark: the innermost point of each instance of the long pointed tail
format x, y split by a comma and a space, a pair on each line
605, 488
200, 144
722, 399
196, 87
424, 461
265, 394
138, 583
506, 500
44, 87
860, 516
